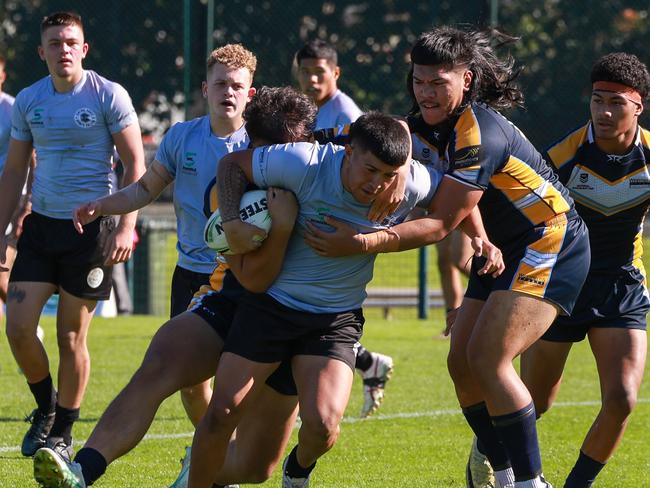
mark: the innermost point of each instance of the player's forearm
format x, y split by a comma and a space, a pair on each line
472, 225
408, 235
231, 185
257, 270
11, 185
127, 201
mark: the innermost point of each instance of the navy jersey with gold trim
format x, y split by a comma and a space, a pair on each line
488, 152
611, 193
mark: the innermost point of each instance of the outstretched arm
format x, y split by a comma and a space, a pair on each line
129, 199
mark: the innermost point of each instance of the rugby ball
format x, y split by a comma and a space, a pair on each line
253, 209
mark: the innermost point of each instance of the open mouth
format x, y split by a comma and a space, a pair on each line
228, 104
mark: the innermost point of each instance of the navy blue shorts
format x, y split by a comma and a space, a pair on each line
185, 284
607, 301
550, 261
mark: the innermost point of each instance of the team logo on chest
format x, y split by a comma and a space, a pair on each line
85, 118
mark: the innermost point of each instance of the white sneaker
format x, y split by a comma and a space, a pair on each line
374, 382
538, 482
288, 482
479, 472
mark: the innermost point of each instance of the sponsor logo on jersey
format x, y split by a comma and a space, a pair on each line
530, 280
584, 177
467, 157
189, 163
85, 118
37, 117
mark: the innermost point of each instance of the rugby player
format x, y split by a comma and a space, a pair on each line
188, 156
311, 312
458, 83
604, 165
73, 118
318, 74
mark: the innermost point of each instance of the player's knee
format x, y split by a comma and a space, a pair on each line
259, 472
71, 342
323, 428
457, 365
18, 333
620, 402
223, 413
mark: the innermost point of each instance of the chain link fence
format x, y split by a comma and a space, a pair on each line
157, 49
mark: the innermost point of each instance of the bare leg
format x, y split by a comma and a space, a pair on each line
196, 400
73, 320
25, 301
620, 357
4, 277
239, 382
324, 386
541, 371
184, 351
261, 437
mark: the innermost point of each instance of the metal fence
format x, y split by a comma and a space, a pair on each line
157, 48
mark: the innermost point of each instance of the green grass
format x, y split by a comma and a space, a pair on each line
419, 438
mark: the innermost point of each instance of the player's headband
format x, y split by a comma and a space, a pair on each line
619, 88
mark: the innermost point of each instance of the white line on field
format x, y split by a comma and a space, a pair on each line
354, 420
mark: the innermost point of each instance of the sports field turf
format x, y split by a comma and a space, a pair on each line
418, 438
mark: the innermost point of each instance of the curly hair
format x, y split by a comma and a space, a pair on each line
622, 68
494, 78
280, 115
233, 56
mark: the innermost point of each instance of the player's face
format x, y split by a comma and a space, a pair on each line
439, 90
365, 176
63, 48
228, 90
613, 115
317, 79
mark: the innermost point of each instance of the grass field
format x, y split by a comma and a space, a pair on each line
418, 439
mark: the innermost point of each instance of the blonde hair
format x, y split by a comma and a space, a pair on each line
233, 56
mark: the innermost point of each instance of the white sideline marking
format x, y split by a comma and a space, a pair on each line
354, 420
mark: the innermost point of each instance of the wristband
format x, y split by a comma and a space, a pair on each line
386, 240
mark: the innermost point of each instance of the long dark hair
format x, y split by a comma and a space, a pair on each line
494, 78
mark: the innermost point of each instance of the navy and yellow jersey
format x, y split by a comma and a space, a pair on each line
611, 193
487, 152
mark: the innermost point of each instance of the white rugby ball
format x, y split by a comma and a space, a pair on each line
253, 209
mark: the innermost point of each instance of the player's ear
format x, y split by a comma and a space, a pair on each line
204, 89
348, 150
251, 92
467, 79
337, 72
41, 52
84, 50
639, 109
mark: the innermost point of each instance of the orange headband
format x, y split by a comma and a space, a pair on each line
625, 91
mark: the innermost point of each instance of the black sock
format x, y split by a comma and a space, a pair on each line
518, 434
364, 359
44, 394
489, 443
63, 422
293, 469
93, 464
584, 472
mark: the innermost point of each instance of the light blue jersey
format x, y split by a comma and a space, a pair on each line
72, 136
190, 153
6, 104
338, 110
310, 282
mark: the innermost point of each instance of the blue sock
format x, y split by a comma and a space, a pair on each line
489, 443
518, 434
584, 472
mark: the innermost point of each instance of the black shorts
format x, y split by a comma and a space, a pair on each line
218, 307
266, 331
606, 301
551, 261
52, 251
185, 284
